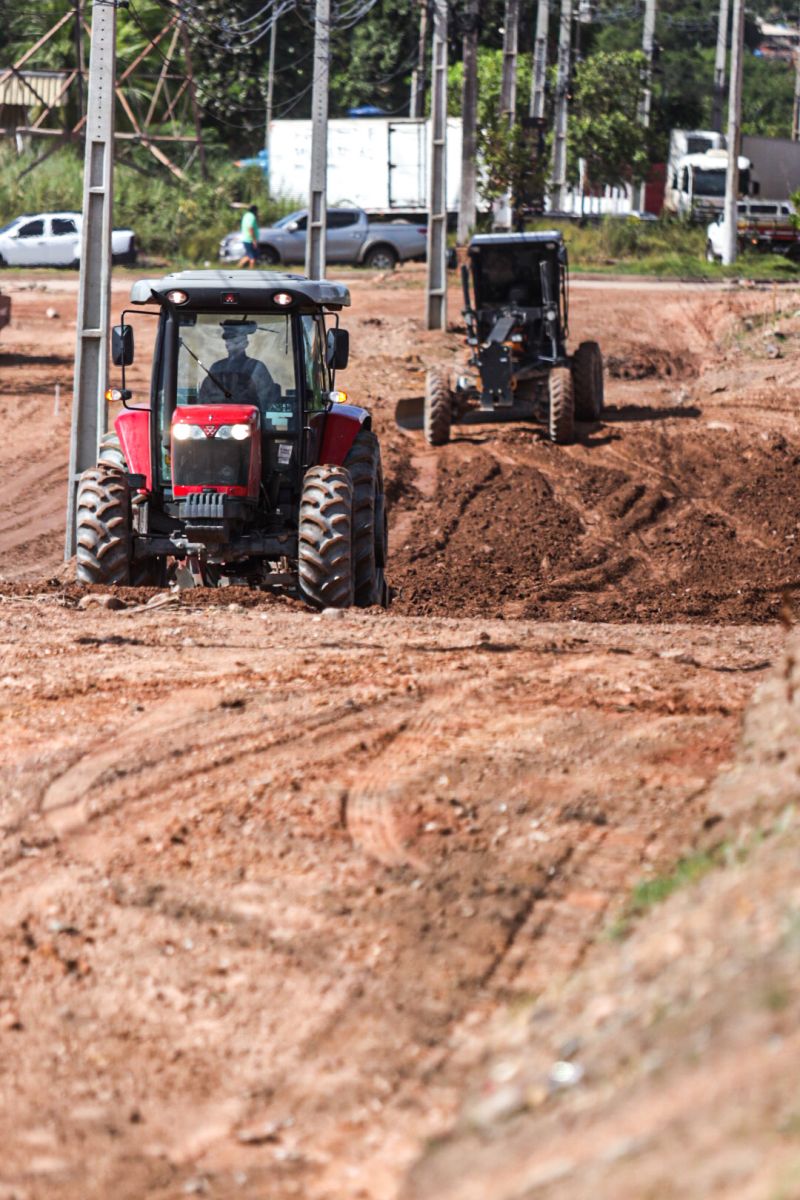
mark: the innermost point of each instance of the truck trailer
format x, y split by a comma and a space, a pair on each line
379, 164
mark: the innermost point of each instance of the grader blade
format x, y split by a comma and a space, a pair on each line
409, 412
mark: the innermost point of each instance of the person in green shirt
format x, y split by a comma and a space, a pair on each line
249, 238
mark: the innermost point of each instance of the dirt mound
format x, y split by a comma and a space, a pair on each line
650, 362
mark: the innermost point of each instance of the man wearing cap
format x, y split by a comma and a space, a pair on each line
239, 379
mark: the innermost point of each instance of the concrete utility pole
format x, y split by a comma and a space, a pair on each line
536, 109
559, 186
648, 48
730, 231
467, 212
273, 36
89, 412
796, 105
417, 107
719, 66
437, 158
317, 194
508, 86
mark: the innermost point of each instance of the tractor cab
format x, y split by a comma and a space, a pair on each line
243, 427
519, 298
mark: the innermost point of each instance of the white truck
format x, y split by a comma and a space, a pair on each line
379, 164
698, 162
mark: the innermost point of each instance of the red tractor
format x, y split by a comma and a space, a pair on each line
246, 467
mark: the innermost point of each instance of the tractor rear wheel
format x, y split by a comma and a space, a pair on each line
561, 426
369, 518
587, 381
103, 526
325, 549
437, 414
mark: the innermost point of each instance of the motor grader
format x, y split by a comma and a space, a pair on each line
246, 466
516, 310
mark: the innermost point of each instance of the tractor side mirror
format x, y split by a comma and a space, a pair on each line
122, 345
337, 349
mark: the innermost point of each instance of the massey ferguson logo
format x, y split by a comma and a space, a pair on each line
209, 430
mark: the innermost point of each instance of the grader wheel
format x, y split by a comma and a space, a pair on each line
437, 415
587, 380
561, 426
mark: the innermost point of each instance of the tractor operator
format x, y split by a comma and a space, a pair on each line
239, 379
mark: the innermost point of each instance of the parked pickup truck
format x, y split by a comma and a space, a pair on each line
766, 225
352, 238
53, 239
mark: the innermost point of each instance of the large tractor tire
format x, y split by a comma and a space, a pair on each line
111, 451
325, 549
561, 425
437, 412
369, 519
587, 381
103, 526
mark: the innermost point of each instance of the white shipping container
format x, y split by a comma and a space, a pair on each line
379, 164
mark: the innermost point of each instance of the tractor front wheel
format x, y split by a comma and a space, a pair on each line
587, 381
437, 413
561, 426
103, 526
325, 549
369, 518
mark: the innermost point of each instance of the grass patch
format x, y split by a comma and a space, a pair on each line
650, 892
666, 248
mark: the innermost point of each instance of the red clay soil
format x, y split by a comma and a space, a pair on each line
265, 872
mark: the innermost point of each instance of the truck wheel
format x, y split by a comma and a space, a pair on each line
325, 549
587, 381
381, 258
268, 255
562, 406
437, 413
103, 526
369, 541
710, 255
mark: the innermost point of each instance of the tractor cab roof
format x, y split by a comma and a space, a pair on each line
499, 241
254, 291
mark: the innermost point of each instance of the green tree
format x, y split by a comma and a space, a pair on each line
603, 127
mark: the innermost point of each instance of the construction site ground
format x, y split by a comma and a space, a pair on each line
338, 906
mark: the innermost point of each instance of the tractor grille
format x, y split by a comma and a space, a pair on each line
211, 462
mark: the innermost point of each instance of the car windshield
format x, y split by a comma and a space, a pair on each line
240, 359
287, 220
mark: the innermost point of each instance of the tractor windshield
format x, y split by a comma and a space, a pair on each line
509, 275
226, 358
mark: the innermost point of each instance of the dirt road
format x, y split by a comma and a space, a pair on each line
267, 875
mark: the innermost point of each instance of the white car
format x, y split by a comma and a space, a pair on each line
767, 225
54, 240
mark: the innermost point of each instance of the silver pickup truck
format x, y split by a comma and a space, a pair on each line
352, 238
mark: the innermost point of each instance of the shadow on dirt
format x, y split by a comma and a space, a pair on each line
34, 360
645, 412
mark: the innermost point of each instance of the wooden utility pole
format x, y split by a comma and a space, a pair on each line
89, 409
318, 184
719, 66
467, 212
417, 107
273, 35
437, 158
559, 185
536, 109
730, 222
646, 100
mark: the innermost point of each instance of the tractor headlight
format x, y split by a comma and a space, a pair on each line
183, 433
238, 432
